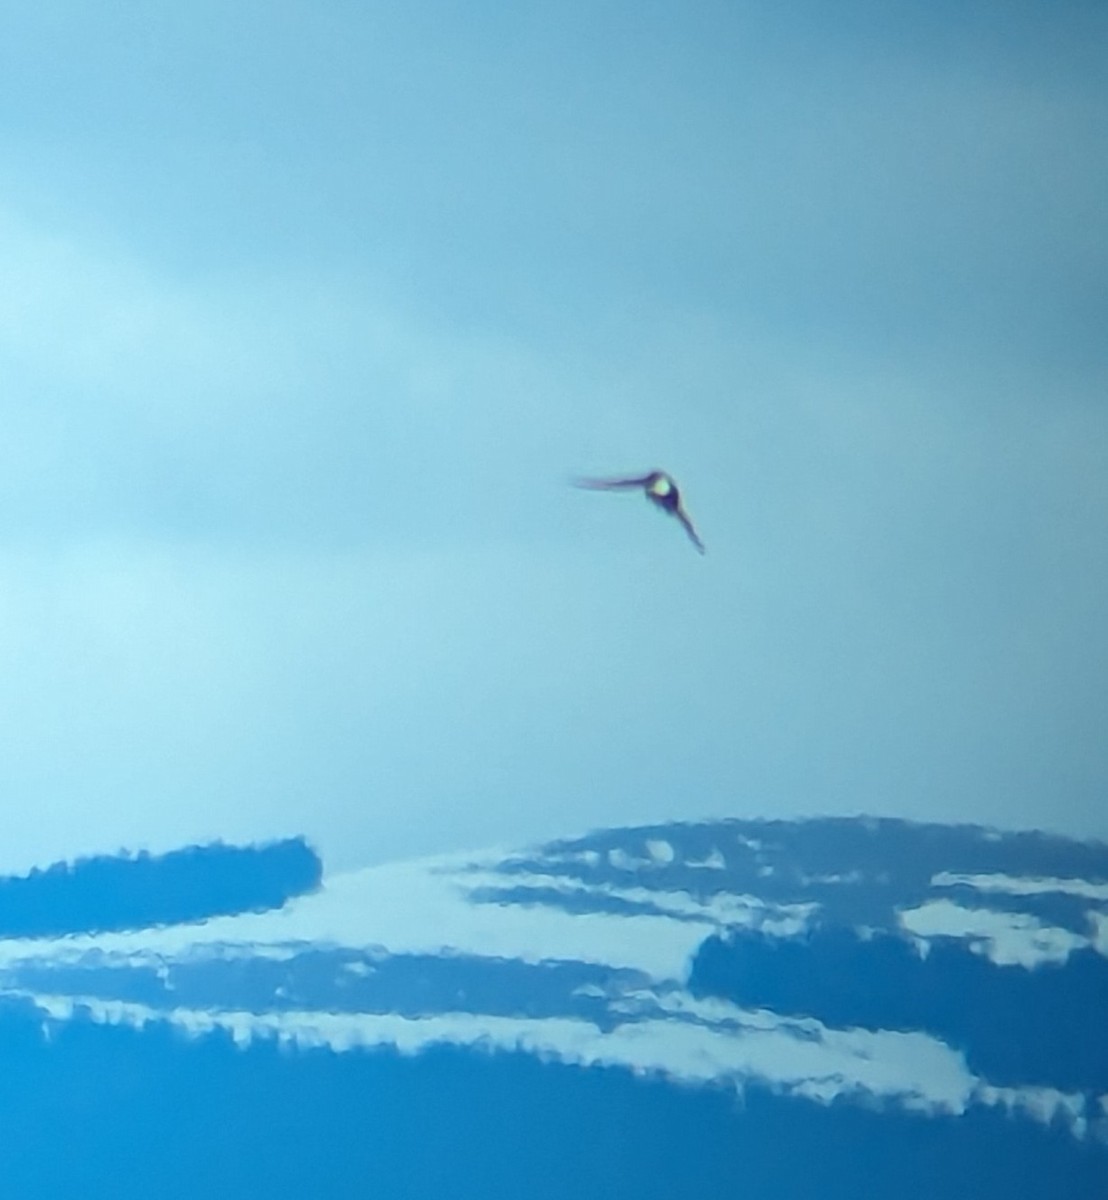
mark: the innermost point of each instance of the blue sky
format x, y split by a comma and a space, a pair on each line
311, 311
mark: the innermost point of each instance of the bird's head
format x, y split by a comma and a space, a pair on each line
659, 484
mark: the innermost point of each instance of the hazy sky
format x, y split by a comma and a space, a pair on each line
309, 311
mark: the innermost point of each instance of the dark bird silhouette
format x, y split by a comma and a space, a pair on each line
659, 488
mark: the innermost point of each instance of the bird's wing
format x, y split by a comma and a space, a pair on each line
683, 517
612, 484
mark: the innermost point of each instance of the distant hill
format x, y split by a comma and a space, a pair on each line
833, 1008
111, 892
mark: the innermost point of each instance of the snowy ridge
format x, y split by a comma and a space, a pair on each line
583, 953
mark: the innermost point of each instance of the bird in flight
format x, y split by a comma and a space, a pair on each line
659, 488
